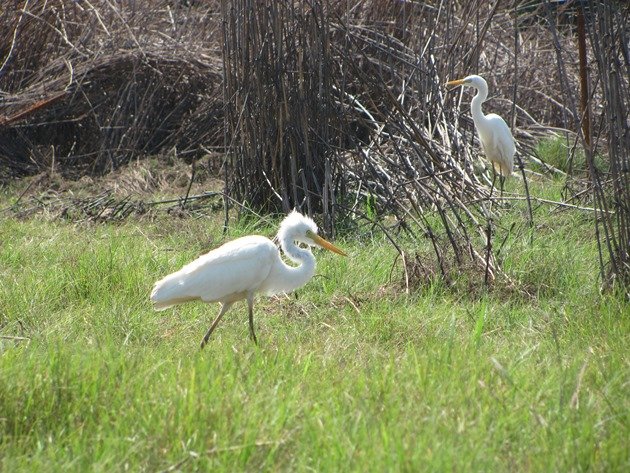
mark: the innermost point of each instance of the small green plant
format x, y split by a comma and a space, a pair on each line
557, 152
370, 206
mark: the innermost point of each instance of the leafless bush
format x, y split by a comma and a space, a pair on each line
86, 86
341, 108
610, 42
281, 108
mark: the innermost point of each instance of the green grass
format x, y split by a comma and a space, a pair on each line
558, 153
350, 375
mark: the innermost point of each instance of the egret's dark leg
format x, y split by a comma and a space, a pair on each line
501, 183
250, 305
224, 309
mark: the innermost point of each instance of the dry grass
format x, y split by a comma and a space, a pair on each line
88, 87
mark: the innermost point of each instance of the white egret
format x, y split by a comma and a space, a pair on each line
243, 267
495, 136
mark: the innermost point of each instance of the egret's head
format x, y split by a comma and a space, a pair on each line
475, 81
297, 227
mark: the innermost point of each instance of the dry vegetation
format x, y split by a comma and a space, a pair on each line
333, 107
89, 86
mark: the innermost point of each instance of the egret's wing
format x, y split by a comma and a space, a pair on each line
502, 147
229, 271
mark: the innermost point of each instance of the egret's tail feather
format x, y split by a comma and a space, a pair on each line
168, 292
504, 169
168, 304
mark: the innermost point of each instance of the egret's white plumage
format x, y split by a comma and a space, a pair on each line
243, 267
495, 136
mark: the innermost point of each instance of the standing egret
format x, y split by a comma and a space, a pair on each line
495, 136
240, 268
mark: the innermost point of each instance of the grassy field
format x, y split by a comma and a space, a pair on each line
350, 375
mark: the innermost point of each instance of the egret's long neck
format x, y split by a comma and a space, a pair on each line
475, 105
294, 277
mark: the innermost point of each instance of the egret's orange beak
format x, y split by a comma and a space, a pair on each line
454, 83
325, 244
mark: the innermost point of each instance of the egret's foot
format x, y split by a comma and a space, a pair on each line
253, 337
206, 337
